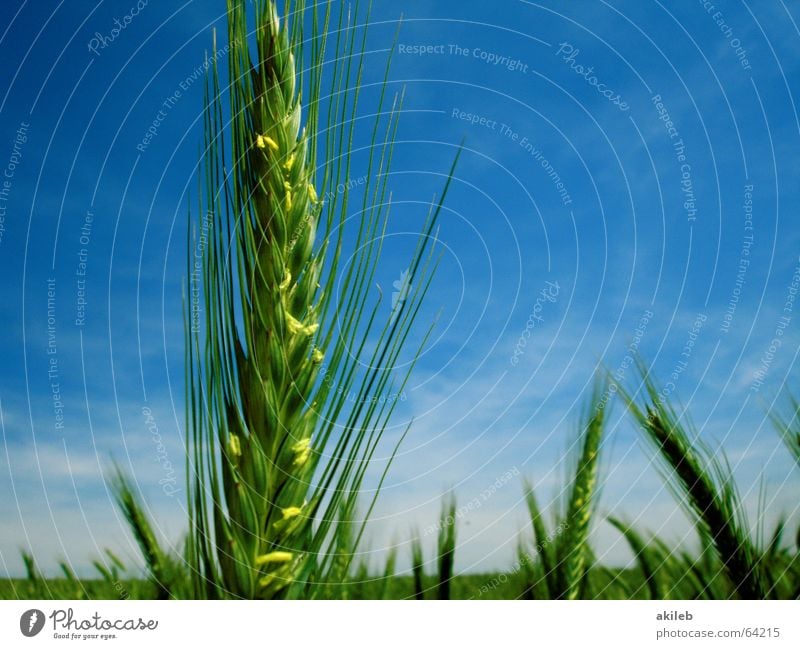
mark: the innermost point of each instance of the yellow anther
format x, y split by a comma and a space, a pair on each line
278, 556
302, 458
297, 327
302, 450
234, 446
291, 512
264, 141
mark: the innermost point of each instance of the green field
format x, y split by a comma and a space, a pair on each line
605, 584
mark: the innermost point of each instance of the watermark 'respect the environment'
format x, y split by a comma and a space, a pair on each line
748, 239
171, 100
521, 140
53, 372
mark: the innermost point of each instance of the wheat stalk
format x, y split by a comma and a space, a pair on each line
545, 550
446, 546
706, 490
789, 427
418, 567
573, 544
277, 450
390, 568
647, 558
156, 560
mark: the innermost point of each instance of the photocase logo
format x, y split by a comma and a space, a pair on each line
399, 295
31, 622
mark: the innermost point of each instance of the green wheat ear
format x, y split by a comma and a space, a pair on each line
531, 574
290, 375
564, 553
389, 572
35, 584
704, 486
545, 548
648, 558
418, 567
446, 546
789, 427
574, 542
157, 562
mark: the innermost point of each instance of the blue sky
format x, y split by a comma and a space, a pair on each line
580, 222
